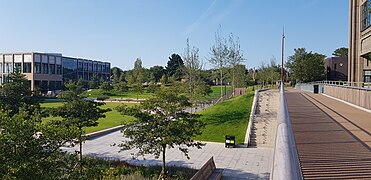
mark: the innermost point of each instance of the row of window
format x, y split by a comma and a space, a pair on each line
367, 76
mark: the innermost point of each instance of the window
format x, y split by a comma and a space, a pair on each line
367, 76
335, 66
37, 68
18, 67
366, 14
8, 68
52, 68
45, 68
27, 68
1, 68
59, 69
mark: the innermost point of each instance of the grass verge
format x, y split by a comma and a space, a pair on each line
94, 93
227, 118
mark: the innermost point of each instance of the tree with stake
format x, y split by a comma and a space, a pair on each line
235, 57
161, 123
219, 53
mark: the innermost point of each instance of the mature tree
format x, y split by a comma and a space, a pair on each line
219, 54
29, 147
116, 73
139, 72
156, 72
306, 67
16, 94
341, 52
161, 123
235, 58
79, 113
174, 67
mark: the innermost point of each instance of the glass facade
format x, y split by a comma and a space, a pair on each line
366, 15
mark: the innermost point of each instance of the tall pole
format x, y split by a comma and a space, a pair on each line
283, 47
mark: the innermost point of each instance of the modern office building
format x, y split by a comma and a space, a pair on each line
336, 68
359, 60
48, 71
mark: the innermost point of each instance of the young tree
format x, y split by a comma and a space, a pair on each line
235, 58
161, 123
219, 53
137, 88
121, 87
79, 113
163, 80
192, 69
105, 87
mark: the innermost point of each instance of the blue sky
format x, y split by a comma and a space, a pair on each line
120, 31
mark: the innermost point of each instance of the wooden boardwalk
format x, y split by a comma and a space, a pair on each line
332, 138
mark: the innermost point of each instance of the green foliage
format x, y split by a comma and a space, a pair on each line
152, 88
227, 118
341, 52
116, 74
161, 123
105, 87
174, 67
16, 94
306, 67
112, 119
157, 72
121, 87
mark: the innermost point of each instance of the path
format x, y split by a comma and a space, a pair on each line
263, 131
332, 138
238, 163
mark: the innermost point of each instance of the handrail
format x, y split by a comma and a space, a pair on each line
286, 165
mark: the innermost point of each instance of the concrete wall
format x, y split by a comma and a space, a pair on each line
357, 96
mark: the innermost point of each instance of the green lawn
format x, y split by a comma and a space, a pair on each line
227, 118
113, 118
216, 92
94, 93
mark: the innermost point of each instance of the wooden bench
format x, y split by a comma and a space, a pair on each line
208, 171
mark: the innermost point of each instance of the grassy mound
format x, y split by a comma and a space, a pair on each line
227, 118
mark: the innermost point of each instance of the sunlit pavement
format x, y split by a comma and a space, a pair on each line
238, 163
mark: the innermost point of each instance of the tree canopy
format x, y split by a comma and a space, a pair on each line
161, 123
306, 66
341, 52
174, 66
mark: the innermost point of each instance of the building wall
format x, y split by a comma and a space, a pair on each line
336, 68
48, 71
359, 60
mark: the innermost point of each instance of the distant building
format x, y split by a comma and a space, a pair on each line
49, 71
359, 62
336, 68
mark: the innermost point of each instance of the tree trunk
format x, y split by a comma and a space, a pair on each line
80, 142
163, 171
221, 82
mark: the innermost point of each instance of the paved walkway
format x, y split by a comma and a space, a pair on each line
238, 163
332, 138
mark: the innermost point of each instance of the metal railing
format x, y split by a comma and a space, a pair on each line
286, 165
366, 85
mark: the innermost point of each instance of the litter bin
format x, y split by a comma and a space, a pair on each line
315, 89
230, 141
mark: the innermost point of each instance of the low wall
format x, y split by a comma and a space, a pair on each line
354, 95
